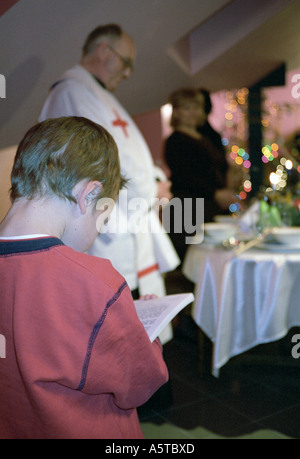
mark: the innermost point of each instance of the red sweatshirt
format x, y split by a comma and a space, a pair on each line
78, 360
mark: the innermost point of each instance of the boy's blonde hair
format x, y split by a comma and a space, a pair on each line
56, 154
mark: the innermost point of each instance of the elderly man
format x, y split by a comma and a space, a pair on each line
87, 90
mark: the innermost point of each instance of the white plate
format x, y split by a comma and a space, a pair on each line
226, 219
279, 248
212, 240
219, 231
287, 236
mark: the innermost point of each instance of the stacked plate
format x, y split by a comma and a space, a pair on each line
216, 233
283, 239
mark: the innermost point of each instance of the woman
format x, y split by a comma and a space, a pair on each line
204, 127
191, 159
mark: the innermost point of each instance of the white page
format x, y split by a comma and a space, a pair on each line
155, 314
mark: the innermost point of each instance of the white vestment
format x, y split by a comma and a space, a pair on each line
139, 256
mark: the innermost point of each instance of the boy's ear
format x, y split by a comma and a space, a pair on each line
87, 194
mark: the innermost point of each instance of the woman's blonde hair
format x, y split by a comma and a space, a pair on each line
180, 98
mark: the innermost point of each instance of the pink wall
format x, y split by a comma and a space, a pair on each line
281, 100
151, 126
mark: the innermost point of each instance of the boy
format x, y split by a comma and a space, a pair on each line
78, 360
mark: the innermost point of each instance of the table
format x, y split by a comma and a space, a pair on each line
242, 301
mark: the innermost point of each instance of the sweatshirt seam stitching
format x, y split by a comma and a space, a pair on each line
94, 335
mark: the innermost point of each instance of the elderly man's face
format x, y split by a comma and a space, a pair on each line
118, 63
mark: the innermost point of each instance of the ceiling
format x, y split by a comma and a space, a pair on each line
217, 44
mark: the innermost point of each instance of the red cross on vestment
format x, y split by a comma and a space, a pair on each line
118, 122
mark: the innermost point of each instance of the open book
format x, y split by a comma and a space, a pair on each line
157, 313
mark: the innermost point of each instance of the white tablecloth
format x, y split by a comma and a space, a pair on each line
243, 301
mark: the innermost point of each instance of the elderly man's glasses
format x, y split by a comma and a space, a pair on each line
126, 61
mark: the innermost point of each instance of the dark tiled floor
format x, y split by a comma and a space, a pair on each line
256, 396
